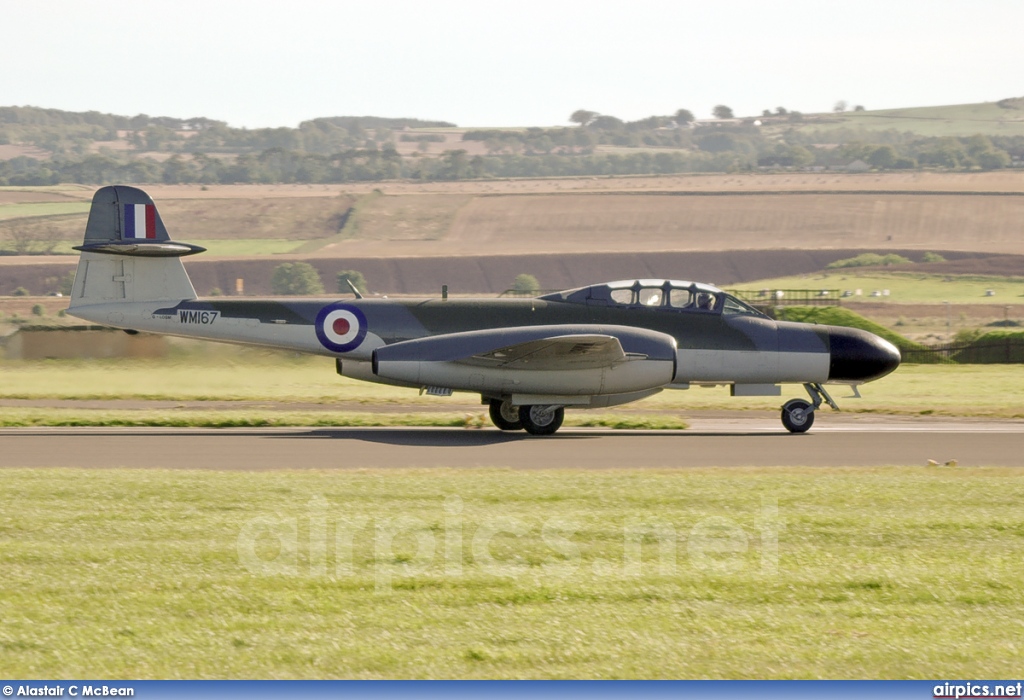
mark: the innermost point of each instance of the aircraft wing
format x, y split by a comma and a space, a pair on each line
565, 347
583, 351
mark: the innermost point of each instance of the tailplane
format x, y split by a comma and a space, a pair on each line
127, 255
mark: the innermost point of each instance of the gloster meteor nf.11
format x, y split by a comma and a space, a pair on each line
528, 359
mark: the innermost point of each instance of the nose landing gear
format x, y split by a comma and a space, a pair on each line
798, 415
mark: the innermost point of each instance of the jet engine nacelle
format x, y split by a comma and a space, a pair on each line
545, 360
627, 377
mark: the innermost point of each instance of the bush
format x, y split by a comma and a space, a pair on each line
968, 335
295, 279
526, 283
38, 310
353, 276
66, 283
20, 292
993, 159
432, 138
838, 316
932, 257
870, 260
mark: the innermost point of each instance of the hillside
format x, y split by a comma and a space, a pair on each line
980, 213
1002, 118
46, 147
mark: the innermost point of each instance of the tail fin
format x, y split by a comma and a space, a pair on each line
127, 255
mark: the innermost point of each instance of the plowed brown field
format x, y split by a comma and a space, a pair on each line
411, 237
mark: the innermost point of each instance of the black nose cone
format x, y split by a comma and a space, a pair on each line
859, 356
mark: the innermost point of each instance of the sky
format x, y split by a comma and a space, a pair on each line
263, 63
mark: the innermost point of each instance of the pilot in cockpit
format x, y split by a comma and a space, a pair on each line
705, 301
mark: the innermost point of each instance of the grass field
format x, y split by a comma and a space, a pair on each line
233, 247
231, 375
949, 120
41, 209
905, 287
738, 573
190, 417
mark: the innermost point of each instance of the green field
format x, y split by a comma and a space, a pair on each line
276, 417
230, 374
231, 247
37, 209
731, 573
904, 287
949, 120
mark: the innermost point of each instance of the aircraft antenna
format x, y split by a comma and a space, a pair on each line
353, 288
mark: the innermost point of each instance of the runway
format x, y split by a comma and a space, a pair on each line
725, 442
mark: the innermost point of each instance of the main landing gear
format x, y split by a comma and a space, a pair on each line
536, 420
504, 415
798, 415
541, 420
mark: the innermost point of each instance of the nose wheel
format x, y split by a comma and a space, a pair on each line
798, 415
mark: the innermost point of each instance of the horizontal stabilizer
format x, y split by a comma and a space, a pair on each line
165, 249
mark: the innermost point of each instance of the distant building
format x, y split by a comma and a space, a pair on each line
858, 166
717, 122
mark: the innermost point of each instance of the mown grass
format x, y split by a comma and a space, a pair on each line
946, 120
950, 390
877, 573
24, 210
251, 418
990, 391
232, 374
905, 287
247, 246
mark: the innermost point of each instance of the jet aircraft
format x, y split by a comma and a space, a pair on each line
528, 358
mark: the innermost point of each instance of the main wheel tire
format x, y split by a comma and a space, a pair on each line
797, 416
541, 420
505, 416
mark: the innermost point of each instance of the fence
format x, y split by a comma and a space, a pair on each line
789, 297
1003, 351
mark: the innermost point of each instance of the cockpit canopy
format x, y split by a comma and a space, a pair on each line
657, 294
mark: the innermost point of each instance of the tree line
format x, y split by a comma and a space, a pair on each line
281, 166
360, 149
69, 134
715, 152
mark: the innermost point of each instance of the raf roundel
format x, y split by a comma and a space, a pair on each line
340, 327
